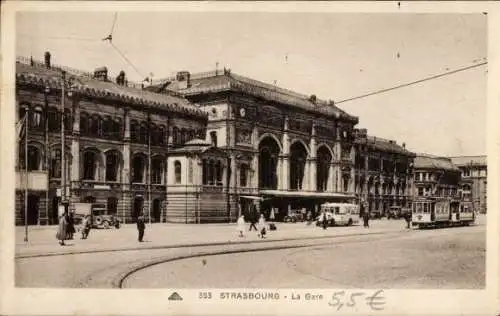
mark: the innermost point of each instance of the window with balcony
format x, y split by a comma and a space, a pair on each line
34, 158
243, 175
55, 164
156, 170
89, 165
138, 168
112, 164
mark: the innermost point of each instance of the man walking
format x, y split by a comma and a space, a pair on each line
141, 226
253, 218
408, 219
366, 218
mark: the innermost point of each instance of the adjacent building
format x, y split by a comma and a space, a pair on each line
383, 173
116, 141
474, 173
436, 177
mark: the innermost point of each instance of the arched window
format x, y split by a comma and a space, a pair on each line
54, 120
55, 163
143, 134
134, 131
211, 172
218, 171
84, 120
243, 175
213, 138
138, 167
161, 135
177, 171
89, 165
36, 118
94, 126
34, 158
67, 120
175, 140
112, 163
205, 172
156, 170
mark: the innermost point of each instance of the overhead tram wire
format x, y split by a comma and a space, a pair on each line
413, 82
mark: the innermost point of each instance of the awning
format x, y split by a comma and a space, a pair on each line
280, 193
251, 197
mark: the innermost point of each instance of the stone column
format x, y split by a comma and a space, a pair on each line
329, 184
254, 176
234, 174
285, 171
125, 176
352, 179
312, 174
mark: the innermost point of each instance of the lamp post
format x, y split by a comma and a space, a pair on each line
63, 140
47, 151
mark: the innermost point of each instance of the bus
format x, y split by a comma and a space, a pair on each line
340, 214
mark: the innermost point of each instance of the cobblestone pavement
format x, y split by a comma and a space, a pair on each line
42, 240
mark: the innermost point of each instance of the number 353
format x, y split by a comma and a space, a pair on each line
205, 295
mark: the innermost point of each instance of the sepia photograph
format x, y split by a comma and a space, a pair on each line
250, 157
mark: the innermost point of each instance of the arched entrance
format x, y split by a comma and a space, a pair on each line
33, 207
156, 210
298, 156
138, 206
268, 162
324, 159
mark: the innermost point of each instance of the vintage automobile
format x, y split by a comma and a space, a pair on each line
98, 214
294, 216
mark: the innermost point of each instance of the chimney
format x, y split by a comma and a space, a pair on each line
184, 79
47, 60
101, 73
120, 79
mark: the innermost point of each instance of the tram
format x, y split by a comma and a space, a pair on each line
441, 212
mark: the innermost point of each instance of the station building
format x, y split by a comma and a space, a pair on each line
264, 146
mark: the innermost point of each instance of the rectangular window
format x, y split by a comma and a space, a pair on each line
243, 175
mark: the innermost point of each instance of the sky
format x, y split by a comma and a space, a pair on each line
332, 55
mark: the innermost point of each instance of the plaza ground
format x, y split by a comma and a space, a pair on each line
296, 255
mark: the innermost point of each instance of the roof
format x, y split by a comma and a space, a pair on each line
469, 160
38, 74
210, 82
384, 145
426, 161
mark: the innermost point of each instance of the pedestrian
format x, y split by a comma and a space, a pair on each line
241, 225
262, 226
141, 226
86, 225
71, 226
62, 229
271, 216
253, 218
366, 219
408, 219
325, 220
309, 217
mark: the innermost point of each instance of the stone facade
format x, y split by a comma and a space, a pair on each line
383, 176
474, 173
108, 129
436, 177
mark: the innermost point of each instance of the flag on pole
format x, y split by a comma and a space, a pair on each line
21, 128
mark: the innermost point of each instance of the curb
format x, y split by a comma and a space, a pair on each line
51, 254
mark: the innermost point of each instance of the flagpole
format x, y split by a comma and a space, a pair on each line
26, 121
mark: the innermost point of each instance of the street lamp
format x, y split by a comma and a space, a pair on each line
46, 127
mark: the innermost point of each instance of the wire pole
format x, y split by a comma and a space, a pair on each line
26, 171
63, 156
149, 169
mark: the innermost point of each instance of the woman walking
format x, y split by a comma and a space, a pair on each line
62, 229
86, 227
262, 226
241, 225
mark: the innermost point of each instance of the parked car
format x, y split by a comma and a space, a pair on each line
395, 212
102, 220
294, 216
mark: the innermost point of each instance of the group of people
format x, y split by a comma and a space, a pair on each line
261, 221
66, 228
